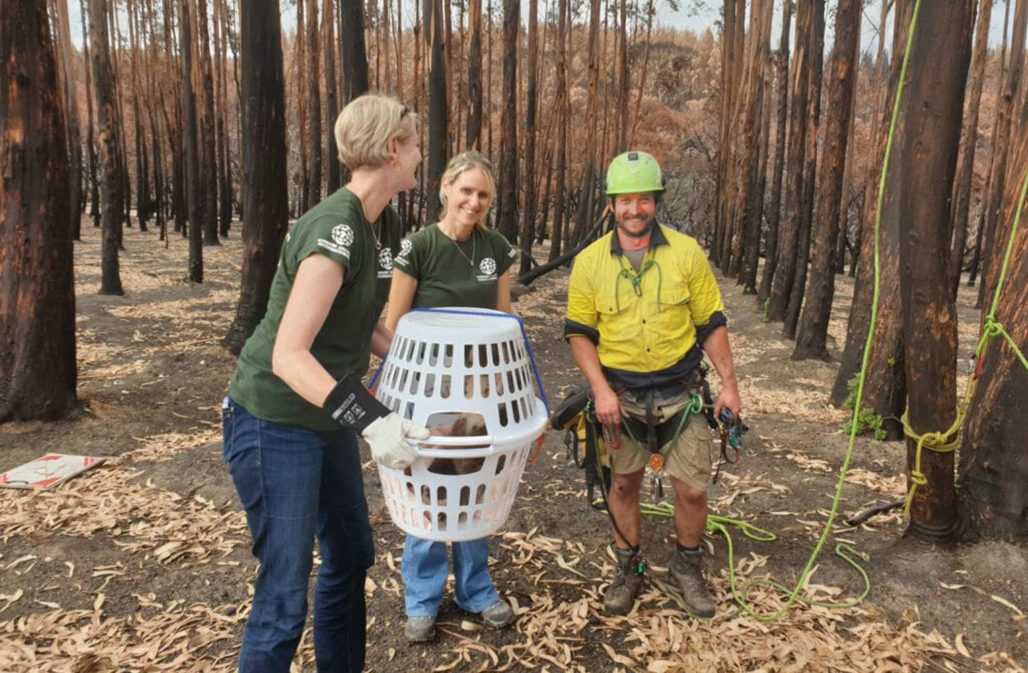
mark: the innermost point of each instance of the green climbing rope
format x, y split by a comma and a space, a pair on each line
844, 550
948, 441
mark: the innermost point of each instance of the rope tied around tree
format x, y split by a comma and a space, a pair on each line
948, 441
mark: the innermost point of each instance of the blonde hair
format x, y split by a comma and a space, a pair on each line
367, 124
461, 164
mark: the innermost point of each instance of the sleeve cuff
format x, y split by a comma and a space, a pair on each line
717, 319
572, 328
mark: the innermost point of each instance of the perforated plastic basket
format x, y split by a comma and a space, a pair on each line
445, 364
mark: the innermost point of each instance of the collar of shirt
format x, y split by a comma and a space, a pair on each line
656, 238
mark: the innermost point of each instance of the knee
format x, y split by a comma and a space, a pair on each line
625, 486
687, 496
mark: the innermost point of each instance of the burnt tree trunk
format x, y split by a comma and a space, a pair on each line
37, 295
111, 194
774, 211
299, 61
1001, 141
813, 328
624, 81
788, 233
927, 161
353, 51
727, 104
965, 167
885, 387
750, 195
328, 40
438, 107
993, 459
191, 151
264, 190
71, 108
560, 208
806, 214
474, 135
508, 222
313, 103
528, 212
92, 182
587, 189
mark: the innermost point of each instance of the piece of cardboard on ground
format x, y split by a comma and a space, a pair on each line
47, 471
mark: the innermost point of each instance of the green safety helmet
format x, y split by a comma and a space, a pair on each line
634, 173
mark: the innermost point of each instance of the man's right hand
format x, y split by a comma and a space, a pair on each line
608, 409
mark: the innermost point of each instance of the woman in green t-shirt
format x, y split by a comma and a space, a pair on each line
296, 402
458, 261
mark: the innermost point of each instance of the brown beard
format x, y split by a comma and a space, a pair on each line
642, 234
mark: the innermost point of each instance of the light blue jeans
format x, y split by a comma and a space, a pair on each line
426, 567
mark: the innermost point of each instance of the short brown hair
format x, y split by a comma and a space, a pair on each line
366, 125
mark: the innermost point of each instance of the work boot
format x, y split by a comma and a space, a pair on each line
419, 629
628, 579
498, 615
687, 568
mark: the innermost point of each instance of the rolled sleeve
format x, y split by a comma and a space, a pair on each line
703, 287
718, 319
581, 317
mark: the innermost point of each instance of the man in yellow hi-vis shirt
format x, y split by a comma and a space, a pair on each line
643, 309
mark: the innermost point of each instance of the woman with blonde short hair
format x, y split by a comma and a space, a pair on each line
296, 403
458, 261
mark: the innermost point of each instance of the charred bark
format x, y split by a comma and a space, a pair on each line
111, 193
438, 108
264, 190
774, 210
191, 150
813, 328
328, 40
508, 222
965, 167
353, 51
927, 161
37, 296
528, 212
806, 214
313, 103
994, 454
788, 233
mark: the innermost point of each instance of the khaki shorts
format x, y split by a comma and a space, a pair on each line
688, 459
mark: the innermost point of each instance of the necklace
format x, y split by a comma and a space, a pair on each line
456, 244
378, 243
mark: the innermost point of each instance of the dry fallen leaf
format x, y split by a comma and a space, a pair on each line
958, 643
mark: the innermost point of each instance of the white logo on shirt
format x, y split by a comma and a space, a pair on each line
487, 266
342, 234
405, 246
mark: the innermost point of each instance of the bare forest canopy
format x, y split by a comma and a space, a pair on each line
772, 127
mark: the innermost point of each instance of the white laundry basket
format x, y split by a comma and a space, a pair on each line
444, 363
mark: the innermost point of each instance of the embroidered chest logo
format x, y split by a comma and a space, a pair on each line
385, 263
486, 270
342, 234
342, 239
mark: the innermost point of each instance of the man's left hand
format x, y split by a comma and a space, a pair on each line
728, 398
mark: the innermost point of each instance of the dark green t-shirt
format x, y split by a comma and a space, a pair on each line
455, 274
337, 229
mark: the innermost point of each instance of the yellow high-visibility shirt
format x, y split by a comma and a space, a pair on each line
644, 322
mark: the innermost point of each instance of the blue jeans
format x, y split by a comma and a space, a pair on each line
296, 485
426, 567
